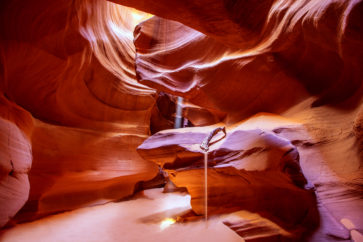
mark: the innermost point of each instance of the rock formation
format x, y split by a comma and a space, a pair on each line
271, 57
269, 31
82, 85
15, 158
88, 120
250, 169
253, 83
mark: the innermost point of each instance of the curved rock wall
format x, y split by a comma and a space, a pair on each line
315, 43
90, 114
71, 65
187, 63
305, 48
249, 169
15, 158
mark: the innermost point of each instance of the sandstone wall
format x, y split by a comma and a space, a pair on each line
86, 117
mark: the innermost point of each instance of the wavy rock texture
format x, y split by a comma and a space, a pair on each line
91, 115
185, 62
282, 57
164, 112
250, 169
332, 163
305, 48
15, 158
71, 65
258, 229
324, 140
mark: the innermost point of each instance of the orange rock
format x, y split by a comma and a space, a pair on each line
15, 158
90, 117
248, 170
251, 57
190, 64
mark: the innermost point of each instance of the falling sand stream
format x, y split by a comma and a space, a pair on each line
206, 187
205, 147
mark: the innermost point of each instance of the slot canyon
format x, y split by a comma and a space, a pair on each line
192, 120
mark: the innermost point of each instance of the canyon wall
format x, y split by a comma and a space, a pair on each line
15, 158
82, 83
312, 46
299, 59
70, 121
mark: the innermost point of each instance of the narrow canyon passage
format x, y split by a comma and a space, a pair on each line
189, 120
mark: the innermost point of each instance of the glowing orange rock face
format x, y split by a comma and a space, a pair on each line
251, 170
71, 65
266, 56
89, 118
194, 65
260, 56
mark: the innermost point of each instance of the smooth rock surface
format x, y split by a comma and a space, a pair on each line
90, 114
71, 65
286, 35
15, 158
248, 169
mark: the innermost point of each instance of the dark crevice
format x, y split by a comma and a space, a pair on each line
11, 173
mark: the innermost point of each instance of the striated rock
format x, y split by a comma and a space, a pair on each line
91, 112
250, 169
253, 227
294, 33
331, 161
317, 44
267, 67
71, 65
329, 158
269, 193
15, 158
164, 112
257, 232
173, 149
199, 116
187, 63
235, 23
87, 167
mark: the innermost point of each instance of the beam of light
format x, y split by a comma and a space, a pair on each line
139, 16
166, 223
